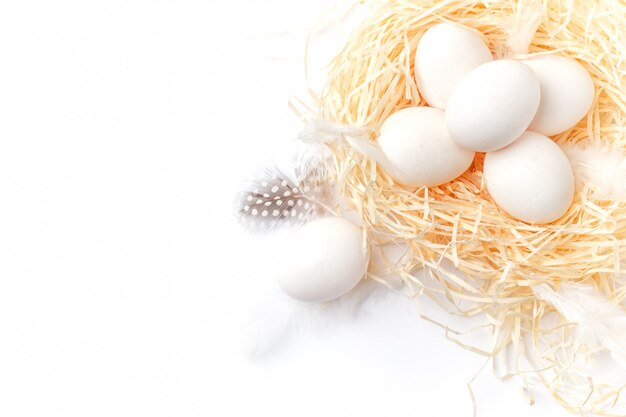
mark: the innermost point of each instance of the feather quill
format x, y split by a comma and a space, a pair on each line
600, 323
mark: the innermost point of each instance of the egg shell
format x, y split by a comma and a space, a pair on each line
567, 93
444, 54
531, 179
417, 143
493, 105
322, 260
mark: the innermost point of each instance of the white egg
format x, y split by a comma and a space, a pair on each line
492, 105
417, 143
567, 93
322, 260
445, 54
531, 179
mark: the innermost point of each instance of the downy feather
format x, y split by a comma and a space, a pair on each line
319, 130
600, 167
278, 317
600, 323
520, 28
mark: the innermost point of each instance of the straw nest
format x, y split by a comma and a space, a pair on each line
482, 260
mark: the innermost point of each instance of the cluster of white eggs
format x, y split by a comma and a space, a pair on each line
506, 108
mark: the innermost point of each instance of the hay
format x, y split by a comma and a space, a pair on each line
497, 258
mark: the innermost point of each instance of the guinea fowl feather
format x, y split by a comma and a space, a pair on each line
274, 198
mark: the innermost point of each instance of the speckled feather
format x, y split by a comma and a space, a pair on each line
273, 199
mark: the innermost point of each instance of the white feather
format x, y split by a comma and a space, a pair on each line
277, 317
600, 323
319, 130
600, 167
521, 28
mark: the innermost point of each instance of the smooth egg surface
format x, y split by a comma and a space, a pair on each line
531, 179
417, 143
493, 105
322, 260
567, 93
445, 54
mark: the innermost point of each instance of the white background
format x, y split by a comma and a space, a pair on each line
126, 287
